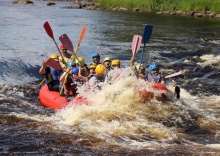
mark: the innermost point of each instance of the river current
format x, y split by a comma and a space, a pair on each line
117, 122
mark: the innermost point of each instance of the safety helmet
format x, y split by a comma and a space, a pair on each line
140, 66
92, 66
152, 67
100, 70
54, 56
115, 62
95, 54
62, 46
70, 64
107, 59
81, 60
74, 71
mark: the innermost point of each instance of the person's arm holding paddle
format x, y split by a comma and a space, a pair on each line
42, 70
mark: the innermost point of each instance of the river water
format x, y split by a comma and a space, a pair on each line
117, 122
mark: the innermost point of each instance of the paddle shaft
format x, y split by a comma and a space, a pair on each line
142, 54
42, 82
59, 52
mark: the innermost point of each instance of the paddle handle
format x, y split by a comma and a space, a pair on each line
174, 74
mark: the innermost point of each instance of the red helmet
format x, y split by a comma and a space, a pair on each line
62, 46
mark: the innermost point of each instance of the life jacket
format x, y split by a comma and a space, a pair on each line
56, 74
52, 78
157, 78
52, 74
71, 86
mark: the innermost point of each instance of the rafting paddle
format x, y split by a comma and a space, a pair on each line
174, 74
54, 64
50, 34
135, 46
80, 38
64, 39
146, 36
68, 44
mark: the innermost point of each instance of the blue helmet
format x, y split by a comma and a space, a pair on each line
152, 67
95, 54
74, 71
72, 64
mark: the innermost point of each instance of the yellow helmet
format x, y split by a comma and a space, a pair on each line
115, 62
81, 60
54, 56
92, 66
140, 66
107, 59
100, 70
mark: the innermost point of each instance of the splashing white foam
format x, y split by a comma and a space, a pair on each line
210, 60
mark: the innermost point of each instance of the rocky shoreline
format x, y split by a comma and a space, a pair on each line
90, 5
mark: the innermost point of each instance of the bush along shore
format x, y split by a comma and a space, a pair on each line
196, 8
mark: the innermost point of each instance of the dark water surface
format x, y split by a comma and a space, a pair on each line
115, 124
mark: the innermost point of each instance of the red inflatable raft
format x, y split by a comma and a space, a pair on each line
162, 88
53, 100
157, 86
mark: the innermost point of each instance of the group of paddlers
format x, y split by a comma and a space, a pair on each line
72, 74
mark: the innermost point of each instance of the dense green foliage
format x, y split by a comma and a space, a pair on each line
164, 5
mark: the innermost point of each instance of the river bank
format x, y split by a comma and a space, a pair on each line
95, 5
193, 13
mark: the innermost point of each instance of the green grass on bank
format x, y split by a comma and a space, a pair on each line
164, 5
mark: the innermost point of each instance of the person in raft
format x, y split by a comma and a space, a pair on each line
140, 71
52, 75
92, 73
154, 75
83, 69
115, 71
96, 58
98, 79
107, 63
72, 82
66, 57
